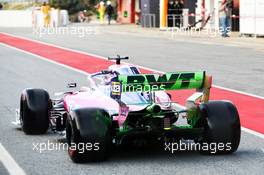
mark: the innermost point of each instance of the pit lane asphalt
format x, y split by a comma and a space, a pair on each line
3, 170
19, 70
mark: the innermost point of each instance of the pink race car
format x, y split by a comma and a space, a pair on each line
122, 106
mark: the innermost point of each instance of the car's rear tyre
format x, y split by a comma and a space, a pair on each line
34, 111
99, 145
222, 127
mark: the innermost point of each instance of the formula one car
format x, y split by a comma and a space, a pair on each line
122, 106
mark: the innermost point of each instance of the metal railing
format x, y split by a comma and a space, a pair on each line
149, 20
173, 18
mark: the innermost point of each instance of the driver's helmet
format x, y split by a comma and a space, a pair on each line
124, 69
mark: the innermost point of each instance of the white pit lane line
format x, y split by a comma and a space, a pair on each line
260, 135
10, 164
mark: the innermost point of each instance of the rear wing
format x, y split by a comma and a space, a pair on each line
157, 82
169, 81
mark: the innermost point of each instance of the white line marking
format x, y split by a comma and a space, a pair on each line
85, 73
252, 132
239, 92
12, 167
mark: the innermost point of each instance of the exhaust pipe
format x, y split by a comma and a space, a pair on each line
153, 109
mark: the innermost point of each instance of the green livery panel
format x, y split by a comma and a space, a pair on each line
157, 82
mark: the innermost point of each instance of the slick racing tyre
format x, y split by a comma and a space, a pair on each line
92, 141
221, 127
34, 111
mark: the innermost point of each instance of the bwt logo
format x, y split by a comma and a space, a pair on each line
156, 82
